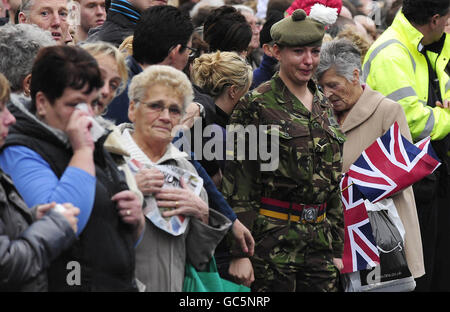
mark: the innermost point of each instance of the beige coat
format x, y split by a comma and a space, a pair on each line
369, 119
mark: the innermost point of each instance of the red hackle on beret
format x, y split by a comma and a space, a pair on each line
306, 5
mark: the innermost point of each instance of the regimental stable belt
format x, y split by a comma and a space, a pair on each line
282, 210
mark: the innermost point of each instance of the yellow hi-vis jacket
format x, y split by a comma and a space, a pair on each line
394, 67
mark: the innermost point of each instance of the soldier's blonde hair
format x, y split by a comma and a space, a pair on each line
214, 72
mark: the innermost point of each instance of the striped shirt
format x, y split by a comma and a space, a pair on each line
127, 9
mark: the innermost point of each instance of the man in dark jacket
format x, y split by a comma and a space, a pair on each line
121, 20
27, 248
162, 36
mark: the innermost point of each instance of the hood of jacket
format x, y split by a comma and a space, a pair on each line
363, 109
27, 123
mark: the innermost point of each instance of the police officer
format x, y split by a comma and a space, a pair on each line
293, 211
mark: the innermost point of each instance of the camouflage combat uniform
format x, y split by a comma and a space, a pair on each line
290, 255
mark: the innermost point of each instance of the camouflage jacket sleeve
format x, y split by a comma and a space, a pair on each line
241, 185
335, 213
335, 216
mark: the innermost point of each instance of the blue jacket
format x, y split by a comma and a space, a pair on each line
264, 72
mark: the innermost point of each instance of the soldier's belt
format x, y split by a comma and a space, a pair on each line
282, 210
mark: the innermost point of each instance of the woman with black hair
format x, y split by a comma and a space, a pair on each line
29, 238
225, 29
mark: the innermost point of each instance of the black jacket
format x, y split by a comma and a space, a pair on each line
114, 30
26, 248
213, 116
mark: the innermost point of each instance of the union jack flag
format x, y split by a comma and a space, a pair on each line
391, 164
360, 248
425, 145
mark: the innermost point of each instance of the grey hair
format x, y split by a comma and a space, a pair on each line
342, 55
205, 3
26, 6
243, 8
19, 45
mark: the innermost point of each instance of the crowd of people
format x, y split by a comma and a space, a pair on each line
116, 152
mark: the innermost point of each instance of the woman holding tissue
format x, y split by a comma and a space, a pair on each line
24, 232
51, 156
180, 226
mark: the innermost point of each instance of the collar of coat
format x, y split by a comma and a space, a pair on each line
366, 105
21, 104
172, 152
284, 96
412, 36
114, 143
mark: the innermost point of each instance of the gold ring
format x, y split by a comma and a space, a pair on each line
128, 212
176, 204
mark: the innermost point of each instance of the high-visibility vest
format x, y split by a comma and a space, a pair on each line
394, 67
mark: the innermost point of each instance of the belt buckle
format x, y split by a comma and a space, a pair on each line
309, 214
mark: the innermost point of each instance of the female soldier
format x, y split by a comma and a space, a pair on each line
293, 211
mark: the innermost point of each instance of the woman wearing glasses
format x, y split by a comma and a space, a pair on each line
158, 97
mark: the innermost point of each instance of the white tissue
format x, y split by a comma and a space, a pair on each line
96, 130
59, 208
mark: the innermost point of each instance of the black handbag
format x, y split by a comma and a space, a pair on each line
392, 274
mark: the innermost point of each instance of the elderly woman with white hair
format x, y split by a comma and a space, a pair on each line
364, 115
158, 98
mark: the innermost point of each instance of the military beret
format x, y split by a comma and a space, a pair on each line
298, 30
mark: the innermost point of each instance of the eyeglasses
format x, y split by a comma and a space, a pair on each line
158, 107
193, 51
191, 54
